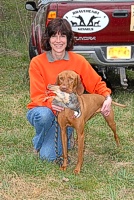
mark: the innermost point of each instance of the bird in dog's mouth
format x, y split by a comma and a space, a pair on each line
64, 99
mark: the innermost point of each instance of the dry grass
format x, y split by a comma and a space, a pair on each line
35, 189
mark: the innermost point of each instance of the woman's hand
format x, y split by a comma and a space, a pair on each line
57, 108
105, 110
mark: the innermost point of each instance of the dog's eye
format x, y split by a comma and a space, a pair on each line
61, 78
71, 79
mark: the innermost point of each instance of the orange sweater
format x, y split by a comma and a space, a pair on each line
42, 72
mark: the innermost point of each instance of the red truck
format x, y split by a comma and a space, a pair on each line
103, 30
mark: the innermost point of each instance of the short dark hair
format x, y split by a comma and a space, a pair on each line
58, 25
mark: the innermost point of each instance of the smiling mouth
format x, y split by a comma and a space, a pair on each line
58, 46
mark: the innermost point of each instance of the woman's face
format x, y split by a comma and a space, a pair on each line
58, 43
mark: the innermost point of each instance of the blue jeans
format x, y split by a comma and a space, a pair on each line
43, 120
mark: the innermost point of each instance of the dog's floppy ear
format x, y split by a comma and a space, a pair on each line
80, 87
57, 80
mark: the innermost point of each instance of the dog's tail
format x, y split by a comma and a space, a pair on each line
118, 104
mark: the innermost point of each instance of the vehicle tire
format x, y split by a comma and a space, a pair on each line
32, 51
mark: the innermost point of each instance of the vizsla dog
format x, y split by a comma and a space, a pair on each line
90, 104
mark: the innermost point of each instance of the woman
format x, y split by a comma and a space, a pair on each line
57, 41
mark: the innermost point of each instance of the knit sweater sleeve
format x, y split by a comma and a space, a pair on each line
92, 81
38, 87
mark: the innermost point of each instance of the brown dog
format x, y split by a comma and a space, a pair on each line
90, 105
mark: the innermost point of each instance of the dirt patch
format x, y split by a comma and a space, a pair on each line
126, 194
122, 164
19, 188
15, 187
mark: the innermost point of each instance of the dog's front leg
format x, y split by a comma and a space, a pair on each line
80, 135
64, 148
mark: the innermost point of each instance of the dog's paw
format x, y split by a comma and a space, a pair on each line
63, 168
77, 170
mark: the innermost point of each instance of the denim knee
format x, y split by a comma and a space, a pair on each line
40, 116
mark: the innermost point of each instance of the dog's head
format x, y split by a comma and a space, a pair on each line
70, 82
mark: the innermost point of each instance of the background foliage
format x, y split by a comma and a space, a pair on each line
15, 25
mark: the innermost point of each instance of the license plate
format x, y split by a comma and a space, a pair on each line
122, 52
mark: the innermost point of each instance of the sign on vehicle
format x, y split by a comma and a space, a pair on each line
87, 20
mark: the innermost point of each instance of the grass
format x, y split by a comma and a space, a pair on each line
107, 172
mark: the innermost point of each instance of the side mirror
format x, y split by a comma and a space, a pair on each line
31, 6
